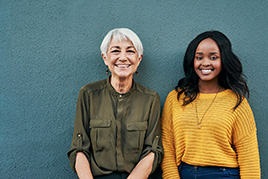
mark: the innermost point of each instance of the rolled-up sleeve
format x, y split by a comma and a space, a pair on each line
80, 141
152, 141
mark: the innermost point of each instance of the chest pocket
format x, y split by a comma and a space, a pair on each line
100, 133
135, 136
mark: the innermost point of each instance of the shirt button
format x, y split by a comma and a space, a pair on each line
120, 96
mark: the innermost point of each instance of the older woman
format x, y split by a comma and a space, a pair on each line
117, 125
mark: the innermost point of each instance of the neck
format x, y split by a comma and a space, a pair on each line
207, 87
121, 85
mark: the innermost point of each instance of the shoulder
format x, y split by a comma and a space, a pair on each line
243, 112
229, 97
94, 86
244, 107
144, 90
172, 95
172, 99
228, 94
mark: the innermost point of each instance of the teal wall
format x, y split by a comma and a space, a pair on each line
49, 49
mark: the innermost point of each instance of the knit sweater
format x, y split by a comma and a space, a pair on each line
227, 137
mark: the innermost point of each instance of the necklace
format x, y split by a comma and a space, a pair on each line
198, 124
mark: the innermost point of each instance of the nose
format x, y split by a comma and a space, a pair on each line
122, 59
123, 56
206, 62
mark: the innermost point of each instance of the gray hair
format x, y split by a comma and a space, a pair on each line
120, 34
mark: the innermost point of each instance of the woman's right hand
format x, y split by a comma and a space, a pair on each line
82, 166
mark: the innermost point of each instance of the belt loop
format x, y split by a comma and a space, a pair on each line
196, 168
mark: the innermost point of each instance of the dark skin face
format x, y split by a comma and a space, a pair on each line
207, 64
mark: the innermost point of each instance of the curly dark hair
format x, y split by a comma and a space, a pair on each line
231, 75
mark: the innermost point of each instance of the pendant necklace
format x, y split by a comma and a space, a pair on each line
199, 123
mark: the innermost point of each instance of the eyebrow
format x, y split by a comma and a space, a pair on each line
119, 47
114, 47
211, 53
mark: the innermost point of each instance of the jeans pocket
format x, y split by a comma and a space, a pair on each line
232, 172
179, 167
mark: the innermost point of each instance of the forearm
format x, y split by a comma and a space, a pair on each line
82, 166
143, 168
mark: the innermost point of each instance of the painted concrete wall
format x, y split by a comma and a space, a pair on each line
49, 49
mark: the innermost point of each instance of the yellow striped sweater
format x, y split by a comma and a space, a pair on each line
227, 138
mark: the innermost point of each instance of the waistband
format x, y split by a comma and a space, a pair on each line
200, 168
115, 175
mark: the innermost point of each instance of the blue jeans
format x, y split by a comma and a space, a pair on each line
187, 171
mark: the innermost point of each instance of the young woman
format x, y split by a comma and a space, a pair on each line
208, 128
117, 131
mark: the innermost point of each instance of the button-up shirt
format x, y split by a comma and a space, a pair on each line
115, 131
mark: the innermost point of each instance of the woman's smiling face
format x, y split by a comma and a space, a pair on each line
122, 58
207, 61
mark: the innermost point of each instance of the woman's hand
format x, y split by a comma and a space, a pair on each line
82, 166
143, 168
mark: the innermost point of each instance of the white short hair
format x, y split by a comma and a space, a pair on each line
120, 34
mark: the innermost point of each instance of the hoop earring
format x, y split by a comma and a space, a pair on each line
137, 73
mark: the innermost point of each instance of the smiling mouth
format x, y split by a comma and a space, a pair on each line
206, 71
123, 66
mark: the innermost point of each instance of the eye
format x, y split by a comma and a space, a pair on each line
131, 51
213, 58
198, 58
115, 51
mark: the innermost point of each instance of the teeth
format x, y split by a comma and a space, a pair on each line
123, 66
206, 71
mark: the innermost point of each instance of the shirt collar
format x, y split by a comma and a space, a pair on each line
120, 95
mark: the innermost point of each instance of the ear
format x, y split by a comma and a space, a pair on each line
104, 59
140, 58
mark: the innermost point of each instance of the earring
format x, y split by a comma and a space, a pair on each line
107, 71
137, 73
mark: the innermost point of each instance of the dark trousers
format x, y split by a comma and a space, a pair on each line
156, 175
187, 171
116, 175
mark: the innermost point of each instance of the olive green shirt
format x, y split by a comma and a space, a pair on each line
115, 131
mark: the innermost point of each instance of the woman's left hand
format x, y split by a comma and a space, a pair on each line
143, 168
